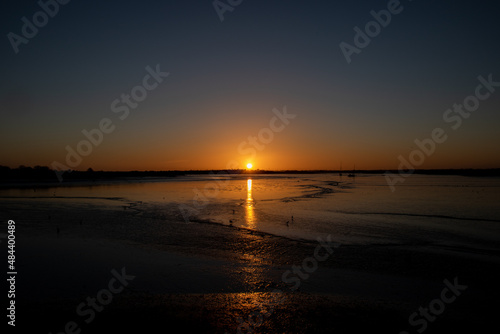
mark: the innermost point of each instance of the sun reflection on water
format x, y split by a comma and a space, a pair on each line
249, 206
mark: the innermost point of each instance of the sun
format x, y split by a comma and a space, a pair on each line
249, 166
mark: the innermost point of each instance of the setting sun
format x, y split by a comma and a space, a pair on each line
249, 165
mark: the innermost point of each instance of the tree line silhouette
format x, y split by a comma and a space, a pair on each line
44, 173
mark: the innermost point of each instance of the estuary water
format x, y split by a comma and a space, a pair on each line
443, 211
221, 245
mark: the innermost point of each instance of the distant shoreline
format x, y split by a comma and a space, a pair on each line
44, 177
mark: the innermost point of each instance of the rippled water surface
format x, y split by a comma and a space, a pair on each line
450, 210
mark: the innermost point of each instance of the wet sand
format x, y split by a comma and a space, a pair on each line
210, 278
211, 295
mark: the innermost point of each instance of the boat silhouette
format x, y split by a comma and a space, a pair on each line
353, 172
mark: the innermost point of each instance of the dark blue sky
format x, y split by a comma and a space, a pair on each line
226, 77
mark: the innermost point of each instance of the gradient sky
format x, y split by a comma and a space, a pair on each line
226, 78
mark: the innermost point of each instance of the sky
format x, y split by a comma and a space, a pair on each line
269, 84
